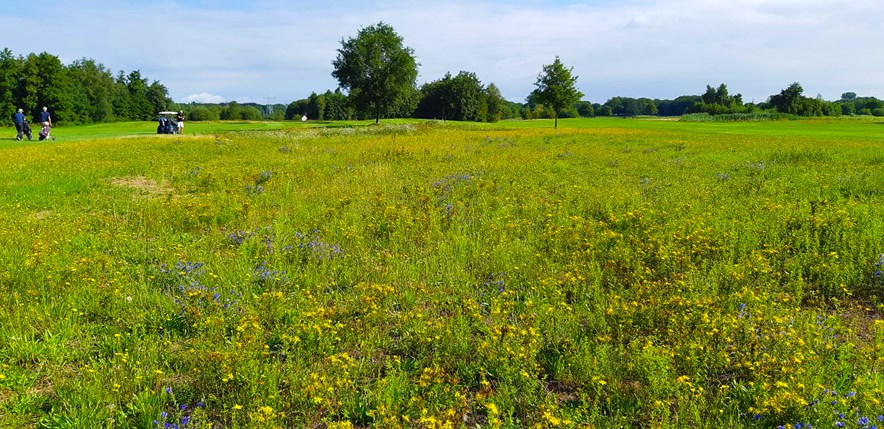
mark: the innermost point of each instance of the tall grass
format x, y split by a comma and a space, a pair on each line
426, 276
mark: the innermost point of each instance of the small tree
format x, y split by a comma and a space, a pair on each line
556, 88
377, 70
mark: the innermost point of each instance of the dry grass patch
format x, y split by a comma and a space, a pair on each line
143, 184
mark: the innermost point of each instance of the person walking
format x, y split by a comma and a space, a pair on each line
19, 119
44, 116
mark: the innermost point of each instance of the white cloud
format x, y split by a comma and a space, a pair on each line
204, 97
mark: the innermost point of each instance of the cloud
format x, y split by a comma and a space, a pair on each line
204, 97
636, 48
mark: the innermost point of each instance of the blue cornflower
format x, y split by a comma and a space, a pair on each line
880, 418
797, 426
850, 394
839, 424
164, 414
182, 407
863, 421
169, 390
185, 420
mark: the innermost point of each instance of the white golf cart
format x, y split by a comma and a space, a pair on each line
168, 123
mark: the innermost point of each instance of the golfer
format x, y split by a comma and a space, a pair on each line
19, 119
180, 119
44, 116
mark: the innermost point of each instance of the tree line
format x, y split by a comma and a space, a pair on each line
378, 73
82, 92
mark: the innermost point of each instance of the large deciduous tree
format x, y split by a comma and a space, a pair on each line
556, 87
377, 69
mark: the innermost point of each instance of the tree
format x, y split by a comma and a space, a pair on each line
93, 85
496, 104
231, 112
556, 88
788, 100
336, 106
44, 82
585, 109
140, 105
377, 70
459, 98
678, 106
297, 108
10, 70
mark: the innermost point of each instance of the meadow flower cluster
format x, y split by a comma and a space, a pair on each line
182, 415
441, 277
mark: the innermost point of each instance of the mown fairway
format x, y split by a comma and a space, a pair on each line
612, 273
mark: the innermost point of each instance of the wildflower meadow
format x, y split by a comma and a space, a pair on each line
610, 273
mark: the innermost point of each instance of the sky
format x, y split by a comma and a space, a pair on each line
274, 51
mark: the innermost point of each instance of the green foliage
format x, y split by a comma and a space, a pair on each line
498, 108
678, 106
556, 87
791, 101
458, 98
378, 70
626, 106
82, 92
204, 113
585, 109
718, 102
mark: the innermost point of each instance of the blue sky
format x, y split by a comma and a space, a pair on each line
274, 51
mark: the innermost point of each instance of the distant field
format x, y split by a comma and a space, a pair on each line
860, 127
611, 273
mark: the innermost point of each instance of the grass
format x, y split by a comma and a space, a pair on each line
610, 273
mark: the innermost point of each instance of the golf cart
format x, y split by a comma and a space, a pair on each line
168, 123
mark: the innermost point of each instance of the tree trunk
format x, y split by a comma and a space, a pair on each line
556, 123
